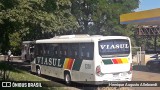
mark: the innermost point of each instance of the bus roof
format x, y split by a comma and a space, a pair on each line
78, 38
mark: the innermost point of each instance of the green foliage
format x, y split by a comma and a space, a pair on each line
44, 15
15, 42
36, 19
102, 16
32, 19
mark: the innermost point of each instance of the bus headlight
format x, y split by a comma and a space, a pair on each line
98, 71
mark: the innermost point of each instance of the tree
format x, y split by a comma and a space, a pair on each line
15, 43
33, 19
101, 16
41, 16
37, 19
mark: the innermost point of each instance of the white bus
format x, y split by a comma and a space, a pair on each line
27, 50
84, 58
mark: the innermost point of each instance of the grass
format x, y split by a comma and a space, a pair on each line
16, 74
20, 75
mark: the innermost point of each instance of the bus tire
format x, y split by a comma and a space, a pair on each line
38, 70
67, 78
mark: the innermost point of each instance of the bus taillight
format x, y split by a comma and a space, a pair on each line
98, 71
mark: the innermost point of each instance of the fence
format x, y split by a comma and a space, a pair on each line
5, 57
138, 56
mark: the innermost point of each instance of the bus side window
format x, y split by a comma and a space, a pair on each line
56, 51
51, 50
43, 50
82, 51
89, 50
64, 49
39, 49
73, 50
59, 50
70, 54
36, 50
46, 49
86, 51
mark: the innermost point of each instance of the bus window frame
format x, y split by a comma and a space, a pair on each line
70, 49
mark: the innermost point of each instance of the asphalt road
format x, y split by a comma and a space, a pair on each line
140, 73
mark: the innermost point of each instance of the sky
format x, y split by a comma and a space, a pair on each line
148, 4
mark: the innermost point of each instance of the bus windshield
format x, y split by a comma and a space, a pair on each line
114, 47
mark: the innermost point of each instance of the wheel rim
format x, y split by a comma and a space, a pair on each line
38, 71
67, 78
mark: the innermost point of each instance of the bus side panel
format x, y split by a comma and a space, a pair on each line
75, 75
33, 67
85, 73
81, 77
52, 71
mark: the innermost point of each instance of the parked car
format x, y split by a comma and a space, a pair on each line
153, 64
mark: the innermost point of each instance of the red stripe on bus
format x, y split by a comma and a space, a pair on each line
115, 61
70, 64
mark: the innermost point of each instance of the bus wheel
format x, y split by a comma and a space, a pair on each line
38, 70
67, 78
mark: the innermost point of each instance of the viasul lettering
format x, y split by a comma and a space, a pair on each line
115, 46
49, 61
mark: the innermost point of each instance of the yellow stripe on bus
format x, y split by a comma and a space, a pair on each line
66, 63
124, 60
